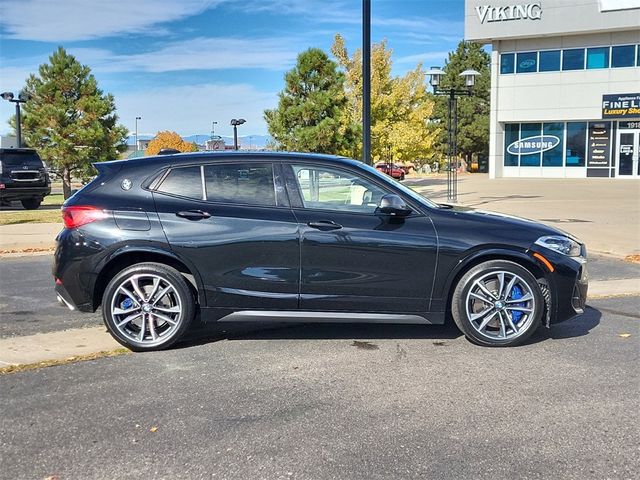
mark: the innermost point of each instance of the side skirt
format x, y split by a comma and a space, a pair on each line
329, 317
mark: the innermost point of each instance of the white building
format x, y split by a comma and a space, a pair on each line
565, 86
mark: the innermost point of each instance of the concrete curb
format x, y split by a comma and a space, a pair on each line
78, 342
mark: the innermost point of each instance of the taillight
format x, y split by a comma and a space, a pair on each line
76, 216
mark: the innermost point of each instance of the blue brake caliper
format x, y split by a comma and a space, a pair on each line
126, 304
516, 293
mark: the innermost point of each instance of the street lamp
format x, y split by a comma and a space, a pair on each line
22, 98
137, 118
235, 122
435, 77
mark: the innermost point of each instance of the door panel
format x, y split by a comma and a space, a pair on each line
352, 258
247, 256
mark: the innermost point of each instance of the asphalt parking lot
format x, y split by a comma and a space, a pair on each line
339, 401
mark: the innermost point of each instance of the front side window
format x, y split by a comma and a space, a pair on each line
183, 182
549, 61
527, 62
507, 63
332, 189
573, 59
623, 56
245, 184
598, 57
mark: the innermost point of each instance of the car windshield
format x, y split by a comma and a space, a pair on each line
413, 194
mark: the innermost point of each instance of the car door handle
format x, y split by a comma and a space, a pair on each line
325, 225
193, 214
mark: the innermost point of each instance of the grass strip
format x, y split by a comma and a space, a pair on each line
30, 216
52, 363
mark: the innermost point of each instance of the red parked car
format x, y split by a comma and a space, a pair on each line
391, 169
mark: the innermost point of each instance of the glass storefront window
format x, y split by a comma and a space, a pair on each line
623, 56
507, 62
511, 134
549, 61
527, 62
576, 144
553, 157
530, 130
573, 59
598, 57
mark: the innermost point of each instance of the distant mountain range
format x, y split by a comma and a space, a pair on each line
246, 141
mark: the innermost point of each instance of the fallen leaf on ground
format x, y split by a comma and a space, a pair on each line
624, 335
153, 429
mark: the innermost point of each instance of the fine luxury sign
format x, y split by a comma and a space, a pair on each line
531, 145
523, 11
621, 105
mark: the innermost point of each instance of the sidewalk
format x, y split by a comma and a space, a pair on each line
605, 214
25, 236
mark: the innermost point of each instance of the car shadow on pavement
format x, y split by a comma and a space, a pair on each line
214, 332
576, 327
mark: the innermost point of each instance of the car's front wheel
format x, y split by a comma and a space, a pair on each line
148, 306
497, 303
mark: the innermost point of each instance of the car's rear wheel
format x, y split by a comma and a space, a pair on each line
31, 203
148, 306
497, 303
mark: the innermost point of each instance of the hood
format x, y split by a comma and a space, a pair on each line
514, 222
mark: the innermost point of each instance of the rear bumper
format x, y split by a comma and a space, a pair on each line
10, 193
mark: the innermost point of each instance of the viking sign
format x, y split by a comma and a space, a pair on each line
489, 13
531, 145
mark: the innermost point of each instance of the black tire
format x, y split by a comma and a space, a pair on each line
31, 203
464, 301
181, 298
402, 177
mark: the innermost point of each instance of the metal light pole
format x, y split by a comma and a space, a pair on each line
366, 81
137, 118
235, 122
435, 75
22, 98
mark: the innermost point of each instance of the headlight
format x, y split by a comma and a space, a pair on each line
560, 244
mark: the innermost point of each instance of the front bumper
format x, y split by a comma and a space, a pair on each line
568, 284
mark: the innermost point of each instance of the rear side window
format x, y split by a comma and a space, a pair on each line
246, 184
184, 182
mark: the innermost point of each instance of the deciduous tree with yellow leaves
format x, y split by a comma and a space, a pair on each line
400, 106
167, 139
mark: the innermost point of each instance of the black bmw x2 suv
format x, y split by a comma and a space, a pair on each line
289, 237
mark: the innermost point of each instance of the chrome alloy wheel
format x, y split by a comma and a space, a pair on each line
146, 309
500, 305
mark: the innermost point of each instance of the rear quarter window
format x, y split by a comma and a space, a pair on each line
183, 182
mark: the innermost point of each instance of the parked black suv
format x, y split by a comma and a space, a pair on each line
298, 237
23, 176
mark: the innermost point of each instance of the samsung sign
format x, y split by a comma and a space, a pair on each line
523, 11
531, 145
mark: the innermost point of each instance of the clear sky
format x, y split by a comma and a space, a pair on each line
181, 64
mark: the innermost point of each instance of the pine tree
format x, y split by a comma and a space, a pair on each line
473, 111
311, 107
68, 120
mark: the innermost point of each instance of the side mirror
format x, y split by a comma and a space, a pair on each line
393, 205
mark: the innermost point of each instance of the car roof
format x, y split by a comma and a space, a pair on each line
189, 158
